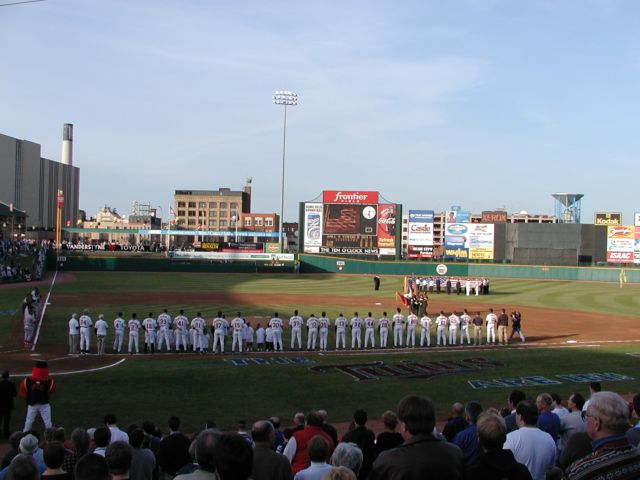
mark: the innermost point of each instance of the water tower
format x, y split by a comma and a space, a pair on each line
568, 206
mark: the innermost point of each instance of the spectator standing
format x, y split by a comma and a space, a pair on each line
233, 457
267, 464
389, 438
118, 456
205, 454
633, 434
7, 394
327, 427
80, 447
571, 422
347, 455
456, 423
174, 451
91, 467
117, 435
365, 439
318, 454
467, 439
515, 397
297, 447
143, 461
53, 459
547, 420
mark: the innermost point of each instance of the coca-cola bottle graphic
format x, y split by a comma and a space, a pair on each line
387, 220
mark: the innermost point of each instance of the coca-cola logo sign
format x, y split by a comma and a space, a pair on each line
349, 197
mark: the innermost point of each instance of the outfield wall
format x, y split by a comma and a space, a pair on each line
317, 263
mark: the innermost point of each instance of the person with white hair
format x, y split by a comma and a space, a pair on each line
101, 327
74, 332
613, 456
348, 455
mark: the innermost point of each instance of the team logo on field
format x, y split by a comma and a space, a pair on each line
409, 368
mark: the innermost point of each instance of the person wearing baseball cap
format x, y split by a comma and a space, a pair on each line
37, 390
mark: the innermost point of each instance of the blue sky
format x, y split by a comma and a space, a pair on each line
478, 103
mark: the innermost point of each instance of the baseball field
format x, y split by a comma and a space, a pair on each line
576, 332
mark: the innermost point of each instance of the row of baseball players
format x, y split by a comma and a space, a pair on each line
194, 335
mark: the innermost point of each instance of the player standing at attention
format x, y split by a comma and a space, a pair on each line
356, 331
465, 321
85, 332
237, 324
454, 323
248, 337
491, 320
441, 327
323, 325
477, 329
164, 322
369, 325
101, 327
118, 328
412, 323
425, 330
149, 324
276, 331
198, 324
181, 322
312, 332
295, 324
341, 327
218, 333
74, 332
398, 320
383, 329
260, 335
134, 333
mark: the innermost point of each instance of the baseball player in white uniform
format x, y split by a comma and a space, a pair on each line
237, 324
454, 323
356, 331
85, 332
341, 327
312, 332
101, 327
260, 336
425, 331
383, 329
412, 322
218, 325
491, 320
465, 321
441, 327
164, 324
134, 333
149, 324
398, 320
323, 326
198, 324
118, 327
276, 330
182, 324
369, 335
74, 332
248, 337
295, 324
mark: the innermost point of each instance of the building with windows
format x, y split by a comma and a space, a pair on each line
258, 222
210, 209
291, 233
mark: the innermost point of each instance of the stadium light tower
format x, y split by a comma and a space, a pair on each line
286, 99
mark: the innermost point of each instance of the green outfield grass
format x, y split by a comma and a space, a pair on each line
199, 388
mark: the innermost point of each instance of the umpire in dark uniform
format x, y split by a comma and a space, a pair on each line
7, 394
376, 282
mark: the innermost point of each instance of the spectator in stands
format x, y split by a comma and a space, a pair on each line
613, 456
118, 457
233, 457
633, 434
101, 438
143, 461
91, 467
174, 450
347, 455
298, 421
515, 397
455, 423
494, 461
467, 439
340, 473
556, 405
547, 420
8, 393
530, 445
318, 454
53, 459
297, 447
594, 387
267, 464
421, 456
80, 447
365, 439
327, 427
275, 421
23, 467
389, 438
205, 445
14, 443
571, 422
117, 435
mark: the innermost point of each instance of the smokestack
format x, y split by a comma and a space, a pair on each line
67, 144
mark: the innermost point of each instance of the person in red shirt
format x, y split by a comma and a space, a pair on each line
297, 449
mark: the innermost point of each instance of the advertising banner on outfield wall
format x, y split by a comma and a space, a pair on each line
621, 244
387, 227
420, 234
636, 248
312, 227
480, 240
607, 218
456, 242
636, 219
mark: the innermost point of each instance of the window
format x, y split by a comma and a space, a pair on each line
192, 213
213, 204
181, 213
234, 213
223, 214
233, 205
223, 205
213, 213
223, 223
202, 205
258, 221
192, 204
181, 204
212, 223
191, 221
180, 222
268, 222
247, 221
